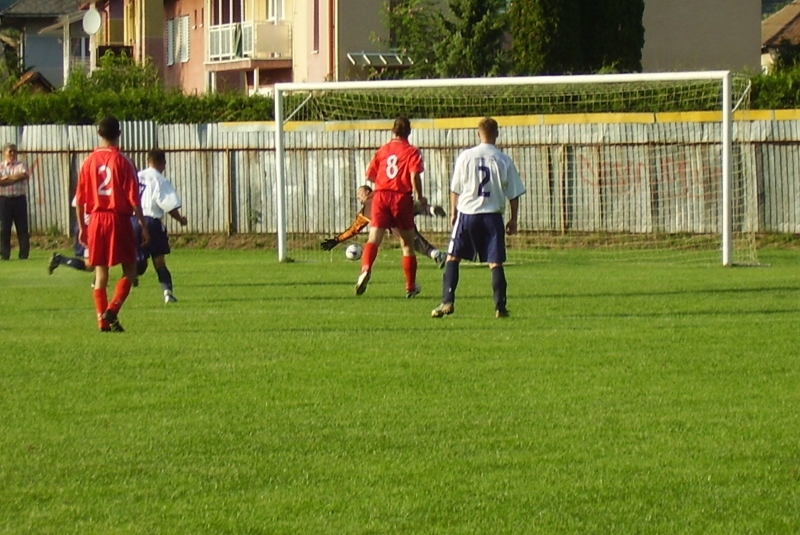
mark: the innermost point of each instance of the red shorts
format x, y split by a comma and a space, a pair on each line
111, 239
391, 209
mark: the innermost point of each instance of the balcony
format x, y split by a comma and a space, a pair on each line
251, 40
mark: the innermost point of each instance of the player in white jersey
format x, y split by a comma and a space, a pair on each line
483, 180
159, 198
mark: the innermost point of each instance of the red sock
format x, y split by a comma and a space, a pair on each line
410, 271
100, 304
369, 255
120, 294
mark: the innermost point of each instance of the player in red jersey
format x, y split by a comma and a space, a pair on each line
396, 171
108, 191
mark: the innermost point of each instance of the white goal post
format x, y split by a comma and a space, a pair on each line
715, 198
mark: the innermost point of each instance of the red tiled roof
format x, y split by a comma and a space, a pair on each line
782, 26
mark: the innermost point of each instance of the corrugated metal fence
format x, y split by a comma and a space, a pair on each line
589, 177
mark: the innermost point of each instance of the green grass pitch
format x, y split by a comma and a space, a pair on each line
620, 397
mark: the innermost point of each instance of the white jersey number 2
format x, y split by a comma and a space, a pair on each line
105, 185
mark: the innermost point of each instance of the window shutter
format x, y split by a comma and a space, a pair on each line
170, 42
184, 36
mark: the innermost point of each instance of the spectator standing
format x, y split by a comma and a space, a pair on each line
13, 203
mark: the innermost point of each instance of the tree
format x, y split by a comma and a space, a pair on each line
415, 26
576, 36
612, 35
545, 37
474, 43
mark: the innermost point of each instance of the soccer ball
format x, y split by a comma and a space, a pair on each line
353, 251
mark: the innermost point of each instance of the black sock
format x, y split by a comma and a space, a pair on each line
449, 282
74, 263
165, 278
499, 287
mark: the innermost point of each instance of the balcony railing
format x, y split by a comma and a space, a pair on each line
252, 39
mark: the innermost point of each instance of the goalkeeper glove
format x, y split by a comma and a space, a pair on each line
327, 245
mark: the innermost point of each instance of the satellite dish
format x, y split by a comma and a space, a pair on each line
92, 21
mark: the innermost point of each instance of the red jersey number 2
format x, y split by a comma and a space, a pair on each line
105, 186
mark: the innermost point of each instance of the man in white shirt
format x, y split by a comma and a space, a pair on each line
483, 179
13, 203
159, 198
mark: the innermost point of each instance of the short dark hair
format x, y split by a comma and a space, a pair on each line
402, 127
108, 128
156, 156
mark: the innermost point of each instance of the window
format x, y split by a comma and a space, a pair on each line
275, 10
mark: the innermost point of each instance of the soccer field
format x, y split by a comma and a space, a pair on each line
620, 397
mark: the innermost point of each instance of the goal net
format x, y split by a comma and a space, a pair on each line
621, 165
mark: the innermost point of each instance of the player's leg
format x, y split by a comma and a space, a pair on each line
449, 285
368, 257
158, 250
380, 220
60, 260
495, 255
461, 246
409, 261
499, 289
423, 246
164, 278
100, 295
123, 251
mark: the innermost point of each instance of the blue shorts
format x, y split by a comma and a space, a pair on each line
479, 236
159, 241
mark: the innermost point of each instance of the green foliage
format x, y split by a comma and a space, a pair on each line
417, 26
584, 36
776, 91
130, 91
545, 36
474, 40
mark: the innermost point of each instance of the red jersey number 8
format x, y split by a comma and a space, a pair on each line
105, 185
391, 167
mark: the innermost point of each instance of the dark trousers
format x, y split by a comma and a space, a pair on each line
14, 210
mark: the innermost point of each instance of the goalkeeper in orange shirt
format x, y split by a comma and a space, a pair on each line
421, 245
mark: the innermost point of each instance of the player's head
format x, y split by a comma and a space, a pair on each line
157, 159
362, 193
402, 127
488, 130
108, 128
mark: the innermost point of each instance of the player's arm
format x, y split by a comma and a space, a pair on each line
453, 207
357, 226
511, 226
176, 215
80, 215
137, 212
416, 187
